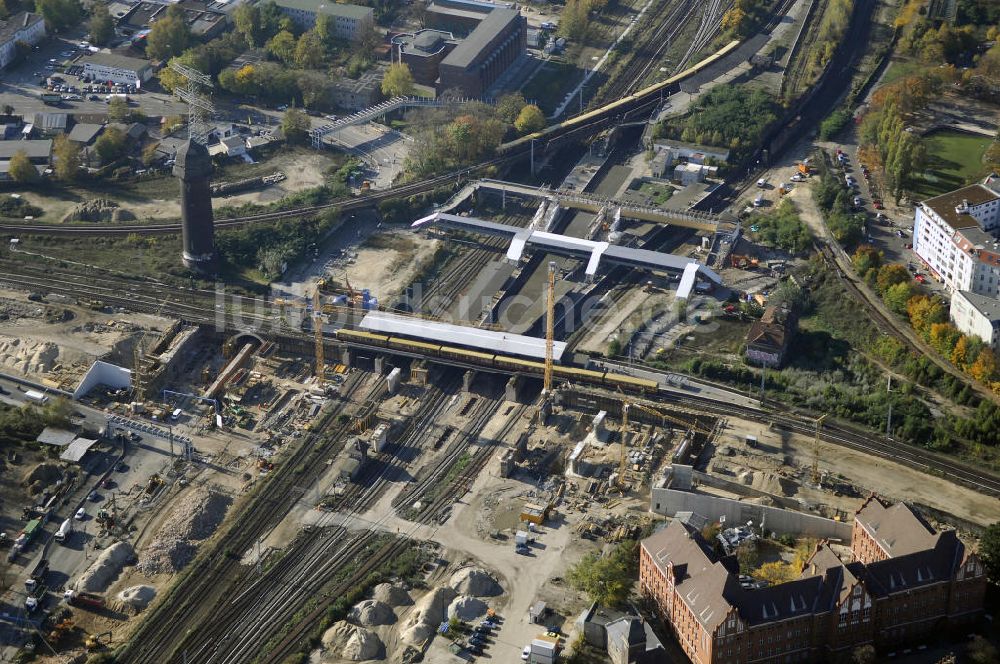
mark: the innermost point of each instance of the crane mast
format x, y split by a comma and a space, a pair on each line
318, 333
550, 327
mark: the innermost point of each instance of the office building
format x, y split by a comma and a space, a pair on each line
350, 22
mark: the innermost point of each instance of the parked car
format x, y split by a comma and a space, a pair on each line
878, 204
80, 514
526, 653
920, 278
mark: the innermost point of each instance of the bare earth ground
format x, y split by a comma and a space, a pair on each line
301, 172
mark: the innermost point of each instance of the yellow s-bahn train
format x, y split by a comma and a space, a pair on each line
506, 362
669, 86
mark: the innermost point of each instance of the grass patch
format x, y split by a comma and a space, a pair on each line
551, 83
658, 193
954, 159
901, 69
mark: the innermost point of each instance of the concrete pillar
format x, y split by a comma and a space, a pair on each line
513, 389
392, 380
345, 356
467, 379
379, 364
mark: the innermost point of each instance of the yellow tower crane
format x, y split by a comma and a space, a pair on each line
624, 454
550, 327
318, 333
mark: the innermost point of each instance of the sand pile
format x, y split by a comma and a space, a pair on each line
26, 356
430, 611
371, 612
136, 598
393, 594
476, 582
467, 608
41, 477
99, 576
98, 209
351, 642
194, 518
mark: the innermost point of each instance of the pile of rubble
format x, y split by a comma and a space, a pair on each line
194, 518
105, 569
28, 357
134, 599
98, 209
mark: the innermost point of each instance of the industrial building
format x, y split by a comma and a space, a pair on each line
903, 582
39, 153
485, 55
955, 236
117, 69
977, 316
459, 16
423, 51
21, 27
350, 22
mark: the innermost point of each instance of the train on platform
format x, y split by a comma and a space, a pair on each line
507, 363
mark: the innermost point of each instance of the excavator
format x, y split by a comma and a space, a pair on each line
94, 641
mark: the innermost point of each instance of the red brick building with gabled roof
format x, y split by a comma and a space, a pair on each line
904, 581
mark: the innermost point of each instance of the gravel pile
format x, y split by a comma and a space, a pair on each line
430, 611
136, 598
27, 356
467, 608
99, 576
194, 518
354, 643
393, 594
476, 582
371, 612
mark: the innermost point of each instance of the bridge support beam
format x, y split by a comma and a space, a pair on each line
514, 390
380, 364
345, 356
467, 378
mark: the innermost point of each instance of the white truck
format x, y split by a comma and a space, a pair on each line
64, 531
35, 396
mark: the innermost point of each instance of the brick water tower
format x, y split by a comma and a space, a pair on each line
193, 166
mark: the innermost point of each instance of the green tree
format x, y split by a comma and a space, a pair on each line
982, 651
282, 46
398, 81
607, 580
60, 14
295, 126
509, 106
21, 168
102, 27
890, 275
247, 23
325, 31
110, 145
67, 158
309, 51
529, 120
169, 36
897, 296
118, 110
865, 258
989, 551
864, 655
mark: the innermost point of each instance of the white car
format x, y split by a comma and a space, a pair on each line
80, 514
526, 653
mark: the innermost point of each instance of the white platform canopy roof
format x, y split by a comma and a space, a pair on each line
460, 335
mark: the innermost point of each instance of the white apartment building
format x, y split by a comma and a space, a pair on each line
350, 22
977, 316
954, 235
21, 27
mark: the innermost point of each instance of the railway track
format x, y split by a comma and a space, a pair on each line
164, 633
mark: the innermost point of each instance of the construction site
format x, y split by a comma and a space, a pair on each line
425, 427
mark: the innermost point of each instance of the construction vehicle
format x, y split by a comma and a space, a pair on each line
154, 483
64, 531
93, 641
81, 599
59, 630
743, 262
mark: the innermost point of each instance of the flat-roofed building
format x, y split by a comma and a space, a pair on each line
117, 69
21, 27
977, 316
499, 40
350, 22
